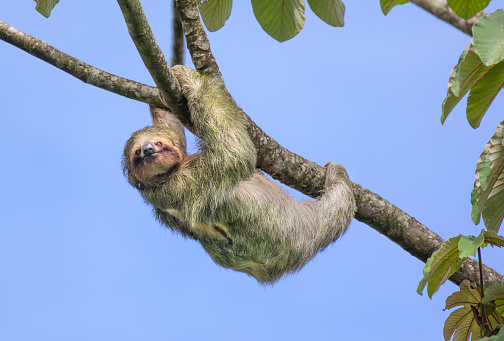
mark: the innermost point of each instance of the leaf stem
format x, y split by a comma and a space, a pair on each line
483, 310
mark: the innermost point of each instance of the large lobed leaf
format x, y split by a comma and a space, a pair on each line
45, 7
467, 9
462, 323
487, 196
281, 19
332, 12
215, 13
440, 266
480, 70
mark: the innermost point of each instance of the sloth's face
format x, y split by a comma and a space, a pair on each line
152, 156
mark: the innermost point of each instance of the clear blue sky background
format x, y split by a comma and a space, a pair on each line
81, 256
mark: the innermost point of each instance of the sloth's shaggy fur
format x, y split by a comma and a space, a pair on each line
243, 220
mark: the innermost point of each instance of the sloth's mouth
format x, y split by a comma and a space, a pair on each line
151, 157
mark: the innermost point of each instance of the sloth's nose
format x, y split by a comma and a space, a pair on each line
148, 149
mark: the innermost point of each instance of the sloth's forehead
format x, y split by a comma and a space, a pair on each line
146, 138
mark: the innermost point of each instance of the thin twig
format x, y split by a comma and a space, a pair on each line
482, 288
178, 38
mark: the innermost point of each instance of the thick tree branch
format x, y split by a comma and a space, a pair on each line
151, 54
289, 168
440, 9
411, 235
85, 72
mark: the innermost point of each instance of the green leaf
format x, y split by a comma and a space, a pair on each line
45, 7
387, 5
462, 70
463, 77
489, 183
332, 12
489, 37
494, 292
475, 212
462, 321
469, 245
493, 239
483, 93
480, 70
440, 266
470, 74
467, 8
215, 13
498, 337
281, 19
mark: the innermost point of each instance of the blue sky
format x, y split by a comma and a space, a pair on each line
81, 255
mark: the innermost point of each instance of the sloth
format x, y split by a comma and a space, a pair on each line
243, 219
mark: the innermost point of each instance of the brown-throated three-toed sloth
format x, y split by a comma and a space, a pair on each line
244, 220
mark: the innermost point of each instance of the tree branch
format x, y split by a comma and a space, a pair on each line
291, 169
197, 40
411, 235
85, 72
178, 38
152, 55
440, 9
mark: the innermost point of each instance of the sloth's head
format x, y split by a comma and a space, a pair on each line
151, 155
